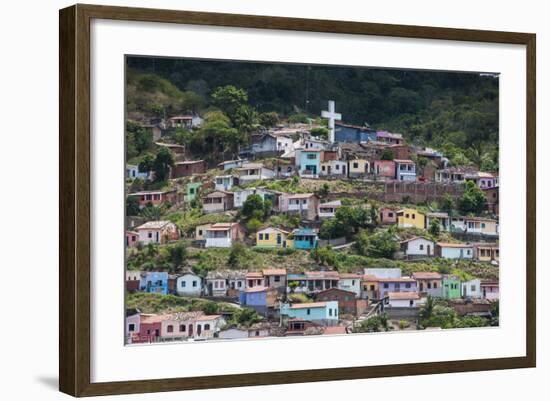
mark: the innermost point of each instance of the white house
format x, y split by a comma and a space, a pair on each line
132, 172
328, 209
229, 164
225, 182
253, 172
207, 326
216, 283
454, 251
418, 247
472, 288
189, 285
222, 235
241, 196
403, 299
157, 232
334, 168
350, 282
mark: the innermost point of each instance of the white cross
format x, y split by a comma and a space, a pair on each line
332, 116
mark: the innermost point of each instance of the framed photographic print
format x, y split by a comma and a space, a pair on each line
249, 200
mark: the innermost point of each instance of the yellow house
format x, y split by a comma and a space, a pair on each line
410, 218
358, 167
273, 238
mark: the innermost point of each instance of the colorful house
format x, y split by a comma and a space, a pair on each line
471, 288
271, 237
384, 169
405, 170
304, 238
236, 282
369, 287
309, 162
179, 326
353, 133
388, 215
186, 168
261, 299
418, 247
350, 282
328, 209
222, 235
132, 238
154, 282
325, 312
403, 300
253, 172
407, 218
208, 327
397, 284
305, 205
149, 328
154, 198
485, 252
217, 202
275, 278
255, 280
334, 168
157, 232
481, 225
346, 301
454, 251
451, 287
192, 190
133, 319
225, 182
358, 168
189, 285
429, 283
490, 290
441, 217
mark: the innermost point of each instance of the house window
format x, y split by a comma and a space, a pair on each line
414, 216
355, 165
131, 327
472, 288
407, 216
182, 284
435, 285
397, 286
429, 285
182, 328
421, 247
482, 225
200, 232
239, 284
390, 214
149, 234
261, 237
170, 328
408, 285
207, 326
194, 283
323, 168
311, 156
267, 237
330, 312
277, 279
372, 287
257, 333
467, 251
337, 167
308, 311
386, 285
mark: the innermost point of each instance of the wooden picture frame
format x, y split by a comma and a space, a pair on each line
75, 207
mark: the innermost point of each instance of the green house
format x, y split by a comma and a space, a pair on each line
192, 191
451, 287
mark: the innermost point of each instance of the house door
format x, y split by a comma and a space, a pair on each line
461, 254
199, 329
328, 170
157, 236
344, 170
421, 286
210, 288
284, 244
428, 249
279, 239
190, 330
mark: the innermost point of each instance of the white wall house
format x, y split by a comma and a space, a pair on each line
328, 210
350, 282
472, 288
418, 246
403, 299
189, 285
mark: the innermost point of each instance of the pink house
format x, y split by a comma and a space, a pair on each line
384, 169
388, 216
132, 238
490, 290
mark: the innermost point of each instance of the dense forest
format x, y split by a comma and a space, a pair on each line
454, 112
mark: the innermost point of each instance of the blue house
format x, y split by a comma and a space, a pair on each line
405, 170
310, 162
326, 312
258, 298
353, 133
156, 282
305, 238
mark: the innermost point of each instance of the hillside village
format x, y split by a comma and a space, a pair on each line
316, 227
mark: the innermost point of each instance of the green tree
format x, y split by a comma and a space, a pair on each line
132, 206
146, 163
387, 154
178, 254
253, 225
435, 228
269, 119
446, 204
253, 206
320, 132
228, 99
162, 164
382, 245
473, 200
246, 119
236, 255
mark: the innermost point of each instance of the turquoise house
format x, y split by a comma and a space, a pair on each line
304, 238
314, 311
310, 162
451, 287
192, 191
155, 282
